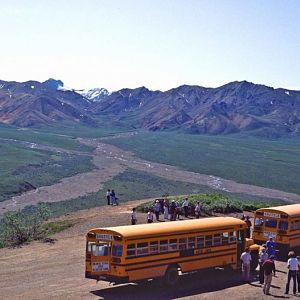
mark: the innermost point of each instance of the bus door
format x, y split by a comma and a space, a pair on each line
240, 246
100, 257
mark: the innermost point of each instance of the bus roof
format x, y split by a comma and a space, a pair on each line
169, 228
292, 210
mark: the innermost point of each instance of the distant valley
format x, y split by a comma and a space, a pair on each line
235, 107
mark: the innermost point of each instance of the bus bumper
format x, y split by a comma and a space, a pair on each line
108, 278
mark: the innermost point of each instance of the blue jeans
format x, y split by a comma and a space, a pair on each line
291, 274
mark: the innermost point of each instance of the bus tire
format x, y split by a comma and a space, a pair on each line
171, 276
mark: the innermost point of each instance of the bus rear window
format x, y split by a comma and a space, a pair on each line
272, 223
117, 250
99, 249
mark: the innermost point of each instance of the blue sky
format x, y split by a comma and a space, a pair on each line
157, 44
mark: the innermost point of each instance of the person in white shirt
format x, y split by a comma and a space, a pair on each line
150, 216
246, 261
133, 216
185, 206
292, 265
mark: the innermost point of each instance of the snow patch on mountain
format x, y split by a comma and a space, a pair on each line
95, 94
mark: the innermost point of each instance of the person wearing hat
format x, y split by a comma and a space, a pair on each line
268, 267
157, 209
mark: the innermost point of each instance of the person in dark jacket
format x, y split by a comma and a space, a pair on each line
268, 267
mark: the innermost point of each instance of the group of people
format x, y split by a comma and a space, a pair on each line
267, 267
171, 211
111, 197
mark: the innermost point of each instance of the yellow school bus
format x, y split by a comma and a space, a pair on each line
282, 223
133, 253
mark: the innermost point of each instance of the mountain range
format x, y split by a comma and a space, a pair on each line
234, 107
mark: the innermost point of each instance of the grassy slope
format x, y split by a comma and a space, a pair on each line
134, 185
274, 164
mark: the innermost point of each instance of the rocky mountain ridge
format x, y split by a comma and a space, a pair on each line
234, 107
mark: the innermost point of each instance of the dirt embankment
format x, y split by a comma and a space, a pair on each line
56, 271
110, 161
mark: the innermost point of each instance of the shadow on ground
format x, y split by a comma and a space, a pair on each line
188, 286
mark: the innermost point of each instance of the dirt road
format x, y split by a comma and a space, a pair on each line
56, 271
110, 161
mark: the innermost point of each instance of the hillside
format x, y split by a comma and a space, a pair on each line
235, 107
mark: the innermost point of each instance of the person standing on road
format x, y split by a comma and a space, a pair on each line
198, 210
133, 216
185, 206
298, 274
108, 197
268, 267
292, 265
271, 246
113, 198
249, 224
263, 256
246, 261
173, 208
157, 209
166, 211
150, 216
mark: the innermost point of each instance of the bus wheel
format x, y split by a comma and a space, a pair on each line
171, 275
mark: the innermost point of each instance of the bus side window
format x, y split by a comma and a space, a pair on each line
191, 242
295, 225
217, 239
131, 250
200, 241
163, 246
232, 237
259, 222
142, 249
208, 240
225, 238
182, 243
173, 244
154, 247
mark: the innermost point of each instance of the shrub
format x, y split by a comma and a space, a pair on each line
18, 228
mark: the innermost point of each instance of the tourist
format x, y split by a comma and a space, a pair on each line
166, 211
246, 261
150, 216
263, 256
268, 267
292, 265
249, 224
271, 245
113, 198
133, 216
198, 209
298, 274
185, 206
157, 209
173, 208
108, 196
